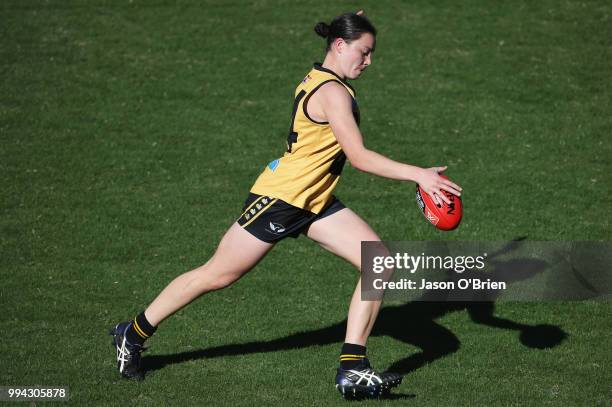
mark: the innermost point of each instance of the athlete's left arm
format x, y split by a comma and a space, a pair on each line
337, 106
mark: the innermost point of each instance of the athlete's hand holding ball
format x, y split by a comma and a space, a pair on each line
439, 198
433, 183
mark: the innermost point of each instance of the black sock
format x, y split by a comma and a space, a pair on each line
352, 356
140, 330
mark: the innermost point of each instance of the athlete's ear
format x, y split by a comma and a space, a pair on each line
339, 44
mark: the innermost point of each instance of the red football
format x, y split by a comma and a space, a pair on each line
446, 217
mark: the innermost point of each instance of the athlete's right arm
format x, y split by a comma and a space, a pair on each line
336, 104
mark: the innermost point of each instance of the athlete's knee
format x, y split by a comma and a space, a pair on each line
210, 278
224, 280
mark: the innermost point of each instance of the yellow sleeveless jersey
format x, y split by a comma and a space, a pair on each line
309, 170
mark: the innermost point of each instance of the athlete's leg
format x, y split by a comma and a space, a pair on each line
342, 233
238, 252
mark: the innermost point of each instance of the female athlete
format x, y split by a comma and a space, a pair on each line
293, 196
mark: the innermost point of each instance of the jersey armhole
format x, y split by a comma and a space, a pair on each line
307, 98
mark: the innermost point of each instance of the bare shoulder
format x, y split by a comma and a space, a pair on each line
334, 96
334, 91
330, 94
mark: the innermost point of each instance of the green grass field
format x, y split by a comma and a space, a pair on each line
131, 132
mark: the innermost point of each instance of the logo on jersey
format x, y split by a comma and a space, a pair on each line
275, 228
272, 165
307, 78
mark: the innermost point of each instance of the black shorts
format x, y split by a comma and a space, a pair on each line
270, 219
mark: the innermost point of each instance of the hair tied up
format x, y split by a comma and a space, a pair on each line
322, 29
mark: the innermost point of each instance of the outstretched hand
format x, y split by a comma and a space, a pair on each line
432, 183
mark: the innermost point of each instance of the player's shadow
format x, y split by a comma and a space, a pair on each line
413, 323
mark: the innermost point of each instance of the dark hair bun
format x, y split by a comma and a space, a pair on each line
322, 29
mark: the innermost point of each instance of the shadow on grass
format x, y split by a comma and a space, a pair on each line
397, 396
413, 323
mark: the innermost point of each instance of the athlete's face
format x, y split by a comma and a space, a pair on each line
356, 55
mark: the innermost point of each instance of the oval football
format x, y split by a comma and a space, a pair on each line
446, 217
